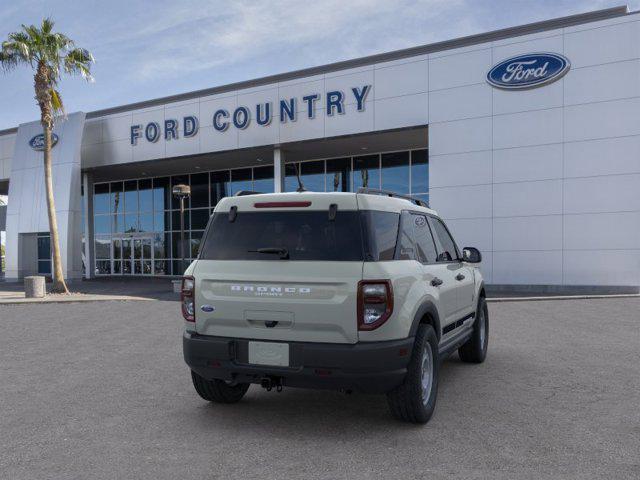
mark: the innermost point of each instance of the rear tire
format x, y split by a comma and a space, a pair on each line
475, 350
218, 391
415, 400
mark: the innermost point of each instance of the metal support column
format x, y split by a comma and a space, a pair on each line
278, 170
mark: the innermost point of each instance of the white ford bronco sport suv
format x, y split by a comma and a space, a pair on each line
358, 291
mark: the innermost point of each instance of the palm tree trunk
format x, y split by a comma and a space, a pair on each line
59, 285
42, 86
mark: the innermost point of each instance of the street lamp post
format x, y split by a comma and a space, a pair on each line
181, 192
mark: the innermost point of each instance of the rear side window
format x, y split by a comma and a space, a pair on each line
446, 247
424, 241
406, 239
380, 230
416, 242
308, 235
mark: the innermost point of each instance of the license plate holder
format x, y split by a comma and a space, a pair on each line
274, 354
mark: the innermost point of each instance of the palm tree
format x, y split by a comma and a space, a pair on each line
48, 54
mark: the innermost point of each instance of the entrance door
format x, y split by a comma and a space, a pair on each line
132, 255
142, 256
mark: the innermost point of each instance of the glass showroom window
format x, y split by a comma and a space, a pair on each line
137, 222
420, 174
401, 172
290, 173
395, 172
220, 186
338, 175
241, 180
44, 253
366, 172
83, 232
312, 175
263, 179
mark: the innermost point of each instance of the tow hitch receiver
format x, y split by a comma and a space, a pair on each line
271, 382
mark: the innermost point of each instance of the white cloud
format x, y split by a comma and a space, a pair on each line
203, 35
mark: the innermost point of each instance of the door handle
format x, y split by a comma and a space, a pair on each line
460, 277
436, 282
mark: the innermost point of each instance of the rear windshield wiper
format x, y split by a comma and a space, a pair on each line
283, 252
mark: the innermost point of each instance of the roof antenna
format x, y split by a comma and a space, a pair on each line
300, 184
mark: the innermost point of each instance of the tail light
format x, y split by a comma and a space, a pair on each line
187, 298
375, 303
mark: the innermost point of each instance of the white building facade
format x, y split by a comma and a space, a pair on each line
525, 140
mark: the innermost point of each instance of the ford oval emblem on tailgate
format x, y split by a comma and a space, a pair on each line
207, 308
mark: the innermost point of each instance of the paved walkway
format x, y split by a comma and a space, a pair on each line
96, 290
13, 298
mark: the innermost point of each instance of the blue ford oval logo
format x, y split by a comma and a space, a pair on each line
207, 308
37, 142
528, 71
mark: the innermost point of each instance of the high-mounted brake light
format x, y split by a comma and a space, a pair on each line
375, 303
281, 204
187, 298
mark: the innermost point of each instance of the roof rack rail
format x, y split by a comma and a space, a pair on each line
388, 193
242, 193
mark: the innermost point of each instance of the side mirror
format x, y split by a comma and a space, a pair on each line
471, 255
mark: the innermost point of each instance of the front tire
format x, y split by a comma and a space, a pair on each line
218, 391
415, 400
475, 349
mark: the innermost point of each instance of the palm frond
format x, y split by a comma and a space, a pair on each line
78, 62
13, 53
20, 42
62, 41
47, 25
15, 50
35, 35
56, 101
8, 60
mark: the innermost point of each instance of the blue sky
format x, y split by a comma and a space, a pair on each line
149, 49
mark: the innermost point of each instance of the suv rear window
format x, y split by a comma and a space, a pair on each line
368, 235
306, 235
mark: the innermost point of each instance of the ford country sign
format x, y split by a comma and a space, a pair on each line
528, 71
37, 142
262, 114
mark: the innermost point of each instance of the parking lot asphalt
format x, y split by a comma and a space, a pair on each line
100, 390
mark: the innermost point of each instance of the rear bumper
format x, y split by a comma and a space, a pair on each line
372, 367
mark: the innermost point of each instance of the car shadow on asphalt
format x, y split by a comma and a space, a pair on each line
297, 411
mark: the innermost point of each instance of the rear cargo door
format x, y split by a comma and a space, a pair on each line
289, 301
281, 267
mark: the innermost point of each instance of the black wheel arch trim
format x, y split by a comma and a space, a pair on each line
481, 294
427, 308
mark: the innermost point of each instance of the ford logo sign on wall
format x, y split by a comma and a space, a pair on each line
528, 71
37, 142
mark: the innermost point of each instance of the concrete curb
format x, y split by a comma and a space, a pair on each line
73, 299
561, 297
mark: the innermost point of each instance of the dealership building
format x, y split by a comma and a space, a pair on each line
525, 140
